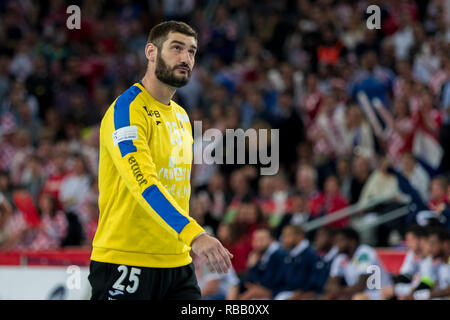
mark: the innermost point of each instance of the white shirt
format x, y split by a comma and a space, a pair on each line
363, 262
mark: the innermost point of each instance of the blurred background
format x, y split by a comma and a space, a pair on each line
364, 120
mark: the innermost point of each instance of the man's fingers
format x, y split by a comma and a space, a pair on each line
229, 253
211, 261
225, 258
207, 260
218, 261
208, 263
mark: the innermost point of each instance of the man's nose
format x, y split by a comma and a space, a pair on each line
186, 59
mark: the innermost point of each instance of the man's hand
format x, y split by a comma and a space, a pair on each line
210, 249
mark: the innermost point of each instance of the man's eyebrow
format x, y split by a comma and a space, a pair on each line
182, 43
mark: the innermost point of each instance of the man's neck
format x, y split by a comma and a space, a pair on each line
158, 90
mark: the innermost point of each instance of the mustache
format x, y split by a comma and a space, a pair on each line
183, 65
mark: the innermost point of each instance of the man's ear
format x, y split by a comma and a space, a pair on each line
151, 51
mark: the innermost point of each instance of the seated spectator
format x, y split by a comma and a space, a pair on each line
306, 180
265, 195
356, 134
295, 272
439, 203
75, 186
248, 219
438, 193
74, 189
381, 184
53, 227
415, 174
299, 213
361, 173
6, 211
407, 277
443, 289
57, 173
199, 212
344, 174
350, 270
264, 263
240, 186
215, 196
327, 251
431, 265
329, 201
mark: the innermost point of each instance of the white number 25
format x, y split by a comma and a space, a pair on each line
135, 272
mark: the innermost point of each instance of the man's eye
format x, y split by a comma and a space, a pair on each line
178, 48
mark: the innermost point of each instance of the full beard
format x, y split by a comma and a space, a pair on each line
167, 75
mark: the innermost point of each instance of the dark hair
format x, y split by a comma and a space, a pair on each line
159, 33
330, 231
440, 232
417, 230
298, 229
349, 234
442, 180
270, 231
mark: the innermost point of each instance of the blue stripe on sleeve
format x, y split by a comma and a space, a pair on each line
122, 117
164, 208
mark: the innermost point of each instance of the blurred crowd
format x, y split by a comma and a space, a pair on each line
363, 116
335, 265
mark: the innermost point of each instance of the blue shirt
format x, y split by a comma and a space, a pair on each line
265, 272
297, 269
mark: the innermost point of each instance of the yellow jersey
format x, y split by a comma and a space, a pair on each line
144, 183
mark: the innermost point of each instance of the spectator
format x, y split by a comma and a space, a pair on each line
373, 79
352, 265
299, 214
75, 186
264, 262
248, 219
356, 134
329, 201
438, 193
381, 184
416, 175
327, 251
361, 172
344, 174
53, 226
306, 181
6, 212
199, 212
431, 265
296, 270
407, 277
